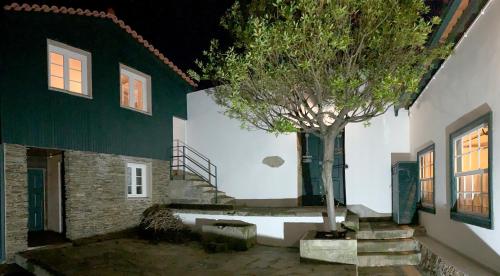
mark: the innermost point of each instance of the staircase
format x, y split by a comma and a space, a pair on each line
193, 178
384, 243
194, 190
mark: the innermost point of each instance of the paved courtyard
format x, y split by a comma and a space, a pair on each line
140, 257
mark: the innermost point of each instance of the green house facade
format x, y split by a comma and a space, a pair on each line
86, 112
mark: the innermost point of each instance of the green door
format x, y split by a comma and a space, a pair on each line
35, 199
312, 190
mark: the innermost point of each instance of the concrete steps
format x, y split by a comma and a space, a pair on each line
383, 243
395, 245
383, 230
191, 189
388, 258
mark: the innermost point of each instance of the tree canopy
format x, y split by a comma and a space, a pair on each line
312, 65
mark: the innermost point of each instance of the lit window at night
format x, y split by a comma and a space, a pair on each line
135, 90
68, 69
470, 156
426, 178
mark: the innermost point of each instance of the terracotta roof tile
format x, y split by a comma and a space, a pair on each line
112, 17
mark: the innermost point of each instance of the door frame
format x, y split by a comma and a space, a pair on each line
301, 142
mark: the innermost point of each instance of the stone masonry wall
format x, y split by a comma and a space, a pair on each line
16, 200
96, 199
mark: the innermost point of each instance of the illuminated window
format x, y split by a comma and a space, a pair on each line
135, 90
471, 182
137, 180
426, 178
69, 69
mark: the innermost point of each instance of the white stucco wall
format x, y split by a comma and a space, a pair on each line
469, 79
238, 153
368, 155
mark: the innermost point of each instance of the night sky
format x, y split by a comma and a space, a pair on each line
180, 29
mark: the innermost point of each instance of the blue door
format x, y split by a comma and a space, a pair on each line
312, 190
35, 199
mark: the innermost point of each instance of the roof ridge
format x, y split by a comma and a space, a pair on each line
86, 12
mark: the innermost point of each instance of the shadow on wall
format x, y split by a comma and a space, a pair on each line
463, 236
292, 231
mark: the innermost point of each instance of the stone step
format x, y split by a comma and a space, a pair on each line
212, 192
395, 245
383, 230
187, 177
225, 200
388, 258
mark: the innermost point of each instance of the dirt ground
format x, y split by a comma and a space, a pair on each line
140, 257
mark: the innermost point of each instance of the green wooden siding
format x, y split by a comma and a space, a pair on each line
33, 115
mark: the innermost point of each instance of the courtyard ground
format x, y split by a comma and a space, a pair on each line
140, 257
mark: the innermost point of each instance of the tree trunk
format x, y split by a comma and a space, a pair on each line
326, 175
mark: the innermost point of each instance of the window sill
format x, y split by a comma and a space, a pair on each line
137, 197
472, 219
137, 110
430, 210
71, 93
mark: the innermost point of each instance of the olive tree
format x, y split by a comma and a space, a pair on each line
315, 66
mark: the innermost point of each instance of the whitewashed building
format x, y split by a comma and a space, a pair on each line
449, 130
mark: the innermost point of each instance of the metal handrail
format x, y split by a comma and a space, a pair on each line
182, 152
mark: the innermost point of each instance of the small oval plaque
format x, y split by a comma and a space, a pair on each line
273, 161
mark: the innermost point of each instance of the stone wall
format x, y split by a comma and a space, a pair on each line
96, 199
16, 200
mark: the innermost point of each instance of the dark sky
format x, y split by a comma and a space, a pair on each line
180, 29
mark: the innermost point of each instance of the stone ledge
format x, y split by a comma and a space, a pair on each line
443, 260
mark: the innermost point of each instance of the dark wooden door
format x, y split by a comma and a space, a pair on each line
35, 199
312, 190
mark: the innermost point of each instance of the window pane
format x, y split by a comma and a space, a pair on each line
484, 158
138, 95
75, 87
129, 180
458, 164
56, 82
56, 58
56, 70
474, 160
484, 183
125, 88
465, 144
138, 171
484, 137
75, 75
139, 190
474, 140
466, 162
75, 64
476, 183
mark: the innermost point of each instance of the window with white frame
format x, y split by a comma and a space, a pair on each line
137, 179
471, 171
426, 178
135, 90
68, 69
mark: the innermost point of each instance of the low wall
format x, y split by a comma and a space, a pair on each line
274, 228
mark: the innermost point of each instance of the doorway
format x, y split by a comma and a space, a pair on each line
313, 193
45, 197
